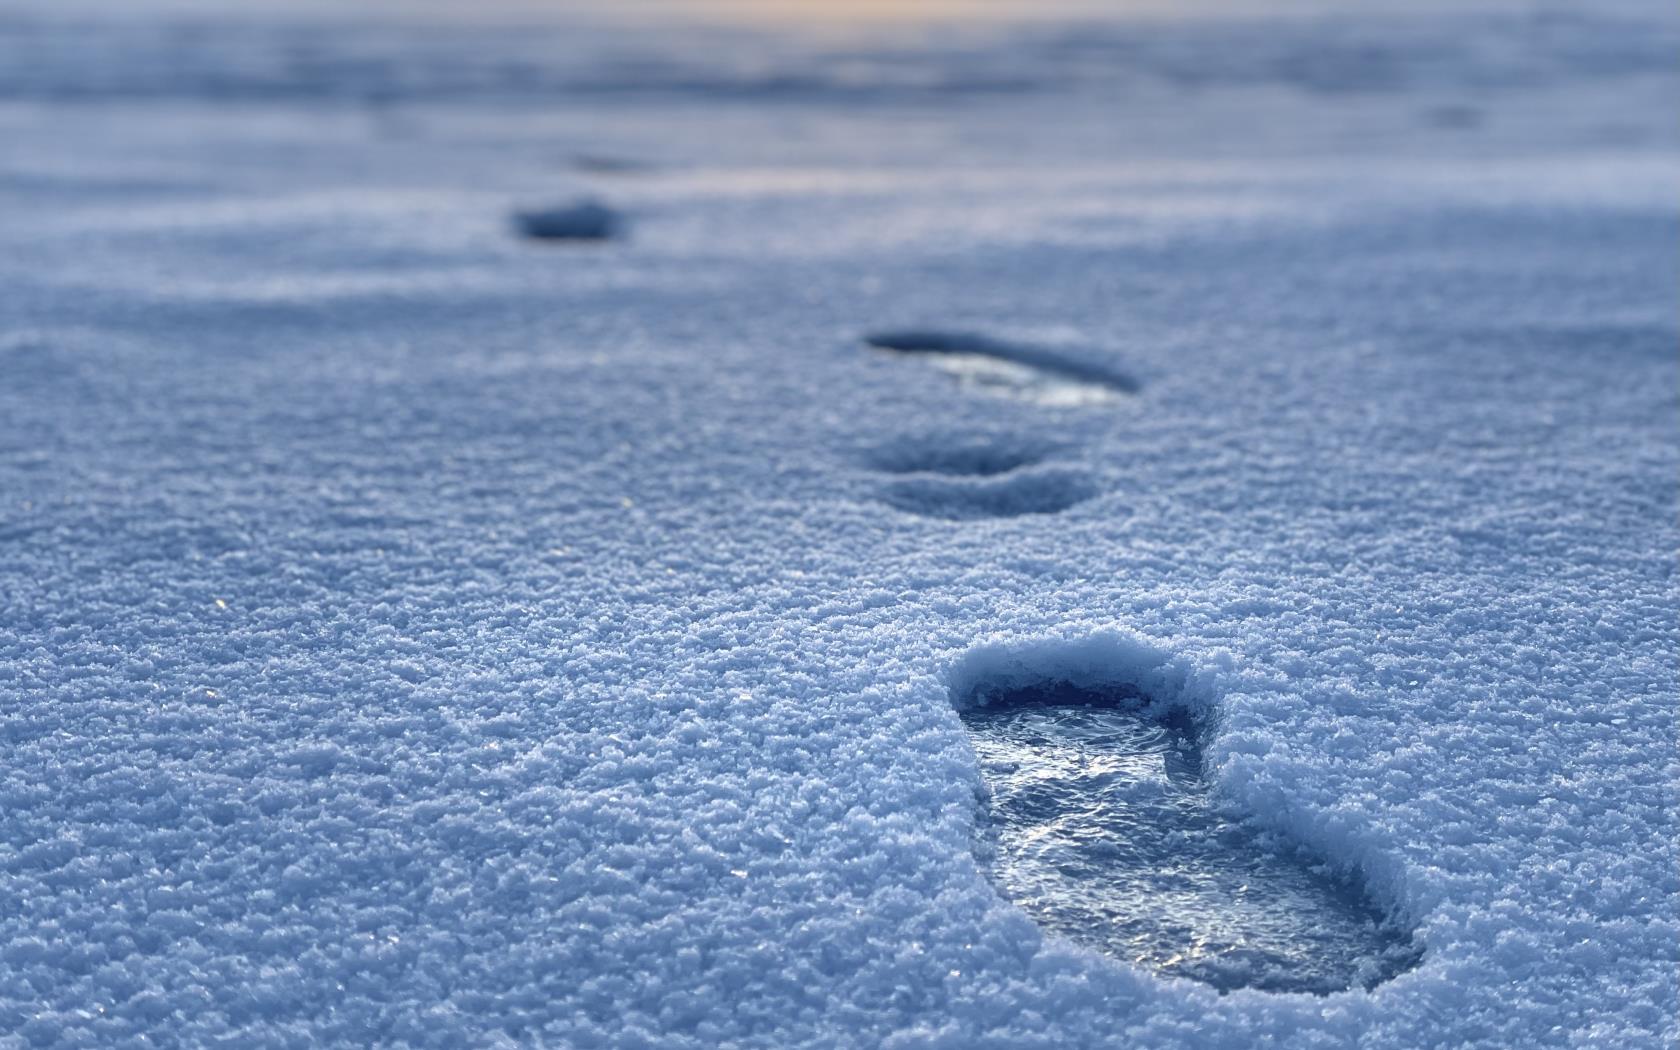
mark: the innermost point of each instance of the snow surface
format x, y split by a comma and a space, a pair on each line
414, 634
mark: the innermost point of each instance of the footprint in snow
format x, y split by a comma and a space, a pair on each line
939, 454
1100, 824
1048, 491
968, 481
610, 164
578, 221
1039, 374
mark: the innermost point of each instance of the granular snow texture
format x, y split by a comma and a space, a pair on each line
415, 635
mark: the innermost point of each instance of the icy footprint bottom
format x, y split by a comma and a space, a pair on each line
1100, 825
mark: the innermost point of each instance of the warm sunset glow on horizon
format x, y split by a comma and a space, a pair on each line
871, 10
778, 13
818, 12
843, 11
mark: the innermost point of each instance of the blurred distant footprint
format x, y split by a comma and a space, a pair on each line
1039, 374
1048, 491
960, 481
967, 481
1101, 826
609, 164
584, 220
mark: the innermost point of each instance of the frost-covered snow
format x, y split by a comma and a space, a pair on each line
415, 634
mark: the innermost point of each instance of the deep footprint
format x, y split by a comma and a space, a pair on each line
1101, 826
1031, 373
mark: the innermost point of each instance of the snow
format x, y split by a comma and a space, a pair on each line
415, 634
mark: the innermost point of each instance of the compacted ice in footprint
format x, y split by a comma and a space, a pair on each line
1101, 826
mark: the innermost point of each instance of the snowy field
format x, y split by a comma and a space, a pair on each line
1128, 531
